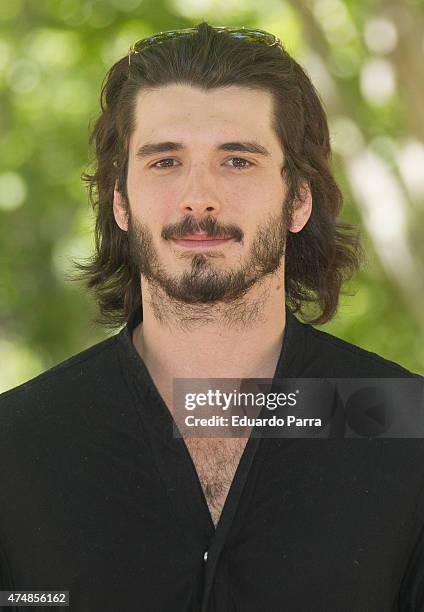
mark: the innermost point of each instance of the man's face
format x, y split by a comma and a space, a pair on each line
205, 224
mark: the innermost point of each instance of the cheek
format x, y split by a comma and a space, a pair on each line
145, 204
264, 191
252, 210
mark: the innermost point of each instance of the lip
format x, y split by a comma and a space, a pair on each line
199, 241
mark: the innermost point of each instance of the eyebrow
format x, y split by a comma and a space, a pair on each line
152, 148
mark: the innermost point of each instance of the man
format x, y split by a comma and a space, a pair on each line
216, 211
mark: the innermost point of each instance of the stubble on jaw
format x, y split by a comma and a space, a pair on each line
236, 315
204, 294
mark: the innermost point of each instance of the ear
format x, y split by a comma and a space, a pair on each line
120, 210
302, 209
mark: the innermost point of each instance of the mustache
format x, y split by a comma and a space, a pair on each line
208, 225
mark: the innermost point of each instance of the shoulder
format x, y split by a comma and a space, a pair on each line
328, 355
63, 383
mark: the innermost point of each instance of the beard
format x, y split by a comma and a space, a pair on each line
204, 283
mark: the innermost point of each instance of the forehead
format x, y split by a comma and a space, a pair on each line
182, 111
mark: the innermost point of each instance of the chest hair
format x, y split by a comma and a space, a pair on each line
216, 462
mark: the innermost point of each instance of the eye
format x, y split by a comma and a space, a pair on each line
155, 165
241, 159
245, 163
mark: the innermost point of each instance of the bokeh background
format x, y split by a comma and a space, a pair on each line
366, 60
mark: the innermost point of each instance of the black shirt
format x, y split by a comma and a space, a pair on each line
98, 497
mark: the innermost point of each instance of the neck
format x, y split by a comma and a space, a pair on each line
242, 339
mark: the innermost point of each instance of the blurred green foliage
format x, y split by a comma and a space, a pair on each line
53, 57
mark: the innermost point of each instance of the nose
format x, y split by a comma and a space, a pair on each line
199, 199
199, 208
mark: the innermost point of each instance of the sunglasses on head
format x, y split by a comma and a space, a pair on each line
257, 36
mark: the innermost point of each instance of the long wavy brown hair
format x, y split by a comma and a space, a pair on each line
318, 259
